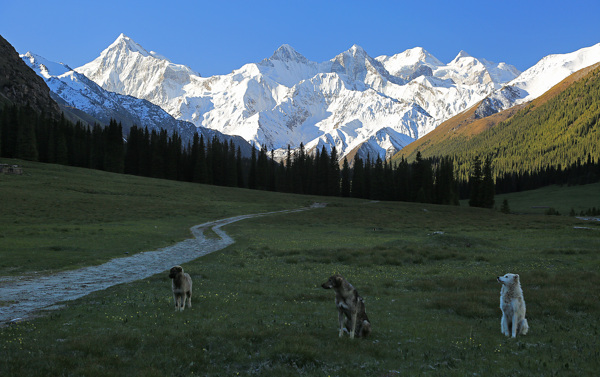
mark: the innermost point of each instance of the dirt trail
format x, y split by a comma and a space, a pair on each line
31, 293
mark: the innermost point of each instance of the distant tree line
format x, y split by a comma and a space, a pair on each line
582, 172
30, 136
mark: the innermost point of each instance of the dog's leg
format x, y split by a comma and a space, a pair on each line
354, 315
515, 325
189, 294
504, 325
341, 322
176, 304
182, 302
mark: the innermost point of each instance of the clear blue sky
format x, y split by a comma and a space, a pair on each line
218, 36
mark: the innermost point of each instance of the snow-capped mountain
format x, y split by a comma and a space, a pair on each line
538, 79
353, 101
77, 91
73, 90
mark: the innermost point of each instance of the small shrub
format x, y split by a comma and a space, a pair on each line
505, 208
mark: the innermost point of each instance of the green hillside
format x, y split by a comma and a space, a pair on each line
549, 133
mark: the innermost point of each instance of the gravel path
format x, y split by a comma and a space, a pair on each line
31, 293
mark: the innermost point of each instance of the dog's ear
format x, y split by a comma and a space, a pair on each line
516, 277
337, 282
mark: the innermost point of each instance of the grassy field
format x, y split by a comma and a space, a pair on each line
562, 198
56, 217
427, 274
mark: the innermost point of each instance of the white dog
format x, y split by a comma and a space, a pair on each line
512, 305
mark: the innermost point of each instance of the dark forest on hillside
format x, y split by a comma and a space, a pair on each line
27, 135
546, 142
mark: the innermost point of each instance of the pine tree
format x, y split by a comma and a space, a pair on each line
115, 149
262, 169
61, 152
487, 185
133, 151
402, 177
445, 185
173, 157
289, 181
200, 169
26, 141
358, 179
239, 168
10, 131
231, 166
252, 177
475, 183
299, 173
322, 172
422, 179
377, 180
334, 174
345, 186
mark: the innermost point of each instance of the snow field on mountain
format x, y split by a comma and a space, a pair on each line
351, 101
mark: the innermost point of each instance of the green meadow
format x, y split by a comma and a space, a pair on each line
427, 274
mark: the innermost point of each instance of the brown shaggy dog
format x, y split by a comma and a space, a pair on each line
182, 287
350, 305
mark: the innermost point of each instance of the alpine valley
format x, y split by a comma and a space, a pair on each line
359, 104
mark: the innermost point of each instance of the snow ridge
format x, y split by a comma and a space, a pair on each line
74, 90
538, 79
353, 101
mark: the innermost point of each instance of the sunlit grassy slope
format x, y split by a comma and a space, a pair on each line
427, 274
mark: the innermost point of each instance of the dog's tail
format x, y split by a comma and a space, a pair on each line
366, 328
523, 327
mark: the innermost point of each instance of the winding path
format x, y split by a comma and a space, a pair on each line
33, 293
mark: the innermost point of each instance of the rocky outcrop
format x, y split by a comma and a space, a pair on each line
20, 86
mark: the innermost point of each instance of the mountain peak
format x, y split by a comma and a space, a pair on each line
414, 56
357, 50
462, 54
124, 43
287, 53
420, 54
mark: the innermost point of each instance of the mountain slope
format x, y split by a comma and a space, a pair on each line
90, 102
287, 99
468, 124
557, 129
538, 79
77, 91
20, 86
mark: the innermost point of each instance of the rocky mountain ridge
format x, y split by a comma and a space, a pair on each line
87, 101
374, 106
20, 86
